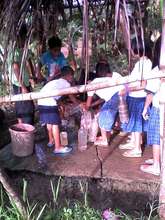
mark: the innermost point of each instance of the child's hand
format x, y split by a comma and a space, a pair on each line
83, 106
122, 92
144, 114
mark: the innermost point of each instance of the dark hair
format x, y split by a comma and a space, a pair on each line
156, 54
23, 31
102, 69
140, 49
66, 70
54, 42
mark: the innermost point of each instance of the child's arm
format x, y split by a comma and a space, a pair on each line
147, 104
98, 102
16, 69
88, 102
73, 99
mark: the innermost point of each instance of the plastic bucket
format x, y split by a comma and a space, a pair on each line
22, 139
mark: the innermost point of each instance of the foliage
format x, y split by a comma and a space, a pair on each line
68, 211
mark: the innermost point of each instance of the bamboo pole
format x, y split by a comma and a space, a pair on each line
162, 123
13, 195
76, 89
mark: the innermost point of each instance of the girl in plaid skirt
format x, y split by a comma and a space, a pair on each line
153, 133
136, 99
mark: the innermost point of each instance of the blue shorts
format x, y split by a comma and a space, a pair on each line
49, 115
108, 113
153, 133
136, 122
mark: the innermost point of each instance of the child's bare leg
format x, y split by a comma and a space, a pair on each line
50, 133
56, 136
156, 156
155, 167
102, 140
138, 141
104, 134
130, 144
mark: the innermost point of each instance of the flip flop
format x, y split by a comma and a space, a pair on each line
132, 153
50, 145
150, 169
63, 151
149, 161
127, 146
101, 143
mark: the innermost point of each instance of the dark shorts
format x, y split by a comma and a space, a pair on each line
49, 115
24, 109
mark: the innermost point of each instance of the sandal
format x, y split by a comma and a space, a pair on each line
150, 169
132, 153
63, 150
149, 161
50, 145
127, 146
101, 142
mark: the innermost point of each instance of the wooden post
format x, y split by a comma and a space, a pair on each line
162, 123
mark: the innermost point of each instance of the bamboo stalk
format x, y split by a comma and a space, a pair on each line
4, 179
76, 89
162, 124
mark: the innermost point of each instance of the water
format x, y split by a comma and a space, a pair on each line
41, 157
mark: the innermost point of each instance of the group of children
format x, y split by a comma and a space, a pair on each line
139, 97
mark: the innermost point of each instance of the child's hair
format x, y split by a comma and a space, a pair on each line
54, 42
140, 49
66, 70
156, 53
102, 69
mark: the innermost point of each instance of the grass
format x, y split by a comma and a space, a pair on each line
68, 211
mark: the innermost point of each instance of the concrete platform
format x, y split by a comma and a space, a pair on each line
110, 175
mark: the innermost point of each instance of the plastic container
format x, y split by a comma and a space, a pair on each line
123, 110
82, 139
22, 139
64, 138
93, 130
86, 120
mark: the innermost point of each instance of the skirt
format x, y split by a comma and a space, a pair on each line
136, 122
109, 113
49, 115
153, 133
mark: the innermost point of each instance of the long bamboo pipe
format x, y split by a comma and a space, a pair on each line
76, 89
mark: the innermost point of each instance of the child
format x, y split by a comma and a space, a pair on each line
109, 110
136, 100
153, 133
21, 81
53, 60
48, 109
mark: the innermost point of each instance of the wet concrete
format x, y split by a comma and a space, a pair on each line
113, 180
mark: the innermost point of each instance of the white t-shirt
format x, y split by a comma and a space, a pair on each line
106, 93
49, 87
141, 69
153, 85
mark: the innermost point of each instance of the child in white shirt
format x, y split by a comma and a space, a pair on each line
109, 110
48, 109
